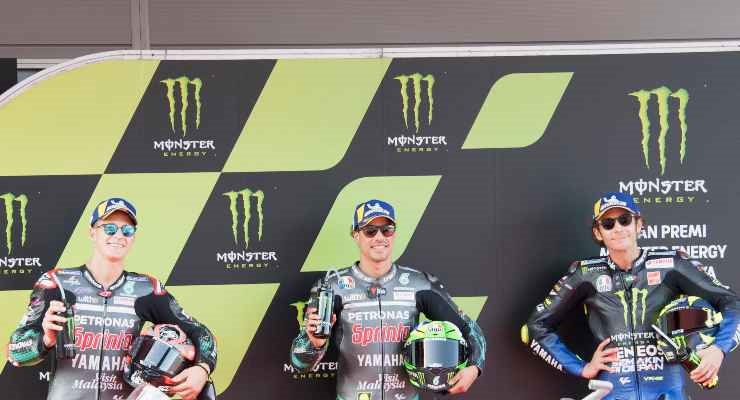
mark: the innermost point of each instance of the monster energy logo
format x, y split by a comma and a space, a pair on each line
10, 199
661, 95
183, 83
680, 341
637, 294
245, 195
300, 307
416, 80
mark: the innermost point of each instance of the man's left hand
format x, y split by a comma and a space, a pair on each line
711, 360
189, 382
463, 379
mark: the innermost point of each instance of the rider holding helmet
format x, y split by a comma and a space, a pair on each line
105, 307
623, 294
376, 305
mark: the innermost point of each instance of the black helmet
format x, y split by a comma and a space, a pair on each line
158, 355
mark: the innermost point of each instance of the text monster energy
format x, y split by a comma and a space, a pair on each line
245, 195
9, 199
662, 95
183, 83
639, 298
416, 82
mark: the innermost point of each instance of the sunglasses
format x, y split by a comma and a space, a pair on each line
609, 223
371, 230
110, 229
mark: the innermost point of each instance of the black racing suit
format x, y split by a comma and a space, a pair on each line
622, 305
371, 329
106, 322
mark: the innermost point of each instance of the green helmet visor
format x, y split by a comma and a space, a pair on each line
685, 321
435, 353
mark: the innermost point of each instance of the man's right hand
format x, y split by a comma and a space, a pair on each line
53, 323
312, 323
600, 359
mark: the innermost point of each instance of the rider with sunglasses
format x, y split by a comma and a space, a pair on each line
110, 305
622, 294
376, 304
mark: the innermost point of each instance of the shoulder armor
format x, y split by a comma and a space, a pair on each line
408, 269
336, 275
573, 266
682, 254
46, 280
157, 286
594, 264
431, 277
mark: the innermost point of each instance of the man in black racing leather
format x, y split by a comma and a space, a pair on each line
110, 306
622, 295
377, 303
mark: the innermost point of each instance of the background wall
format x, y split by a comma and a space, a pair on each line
245, 195
70, 28
519, 210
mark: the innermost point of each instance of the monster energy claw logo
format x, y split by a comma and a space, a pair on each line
637, 295
300, 307
680, 341
661, 95
9, 199
246, 195
416, 80
183, 83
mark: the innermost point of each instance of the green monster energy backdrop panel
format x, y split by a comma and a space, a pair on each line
493, 164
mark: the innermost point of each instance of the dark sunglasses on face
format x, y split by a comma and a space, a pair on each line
609, 223
371, 230
110, 229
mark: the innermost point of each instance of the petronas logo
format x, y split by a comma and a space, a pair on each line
183, 85
662, 96
639, 303
246, 196
416, 80
10, 200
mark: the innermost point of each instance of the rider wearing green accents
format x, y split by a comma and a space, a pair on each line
623, 294
376, 304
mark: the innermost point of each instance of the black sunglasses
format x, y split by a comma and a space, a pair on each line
371, 230
609, 223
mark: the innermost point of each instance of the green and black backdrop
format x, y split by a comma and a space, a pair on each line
245, 174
